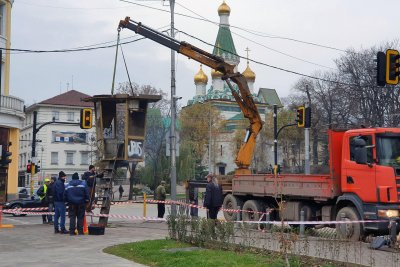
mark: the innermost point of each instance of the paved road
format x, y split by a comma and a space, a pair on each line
30, 241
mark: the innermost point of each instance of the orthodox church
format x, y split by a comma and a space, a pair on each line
219, 95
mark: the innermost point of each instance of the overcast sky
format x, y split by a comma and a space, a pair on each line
66, 24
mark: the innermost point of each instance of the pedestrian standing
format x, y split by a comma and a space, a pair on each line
76, 195
50, 199
90, 178
121, 191
160, 195
59, 204
41, 192
194, 199
214, 197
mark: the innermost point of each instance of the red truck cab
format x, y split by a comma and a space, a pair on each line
370, 174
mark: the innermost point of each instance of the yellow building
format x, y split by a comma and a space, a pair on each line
11, 110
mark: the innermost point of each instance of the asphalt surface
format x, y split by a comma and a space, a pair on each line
30, 243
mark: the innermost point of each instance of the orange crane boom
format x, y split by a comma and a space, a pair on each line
243, 96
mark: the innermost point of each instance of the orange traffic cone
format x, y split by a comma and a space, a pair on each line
85, 228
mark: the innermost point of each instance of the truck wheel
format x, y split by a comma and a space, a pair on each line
350, 231
250, 211
232, 202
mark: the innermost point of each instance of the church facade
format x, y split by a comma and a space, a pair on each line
220, 159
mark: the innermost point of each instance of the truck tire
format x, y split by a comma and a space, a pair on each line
349, 231
251, 209
232, 202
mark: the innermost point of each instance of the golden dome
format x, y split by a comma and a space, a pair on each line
200, 77
249, 74
224, 9
216, 74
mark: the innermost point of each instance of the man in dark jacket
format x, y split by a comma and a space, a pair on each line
76, 195
90, 178
214, 197
59, 204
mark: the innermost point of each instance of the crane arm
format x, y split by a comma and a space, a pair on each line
243, 97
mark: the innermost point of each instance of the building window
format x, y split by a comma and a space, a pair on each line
70, 116
56, 115
70, 158
85, 158
54, 157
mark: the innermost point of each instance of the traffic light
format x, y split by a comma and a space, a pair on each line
86, 118
5, 158
307, 117
300, 117
392, 66
37, 169
29, 168
381, 68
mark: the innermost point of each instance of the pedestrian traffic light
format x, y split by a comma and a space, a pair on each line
28, 168
392, 66
300, 117
307, 117
381, 68
37, 169
86, 118
5, 158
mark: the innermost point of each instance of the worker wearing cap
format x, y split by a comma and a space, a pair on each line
42, 195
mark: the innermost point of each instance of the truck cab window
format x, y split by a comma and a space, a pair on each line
368, 141
388, 150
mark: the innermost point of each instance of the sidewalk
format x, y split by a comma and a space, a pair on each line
37, 245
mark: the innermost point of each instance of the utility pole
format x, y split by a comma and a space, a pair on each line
275, 139
173, 115
209, 143
307, 139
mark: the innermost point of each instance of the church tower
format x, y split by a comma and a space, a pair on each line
200, 80
224, 45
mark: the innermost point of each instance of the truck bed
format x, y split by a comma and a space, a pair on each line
317, 187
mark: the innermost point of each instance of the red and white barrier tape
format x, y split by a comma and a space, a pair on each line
132, 217
170, 202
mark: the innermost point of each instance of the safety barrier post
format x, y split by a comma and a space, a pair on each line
85, 227
268, 219
1, 223
392, 232
144, 204
302, 224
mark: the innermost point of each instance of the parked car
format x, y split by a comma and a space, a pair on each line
30, 202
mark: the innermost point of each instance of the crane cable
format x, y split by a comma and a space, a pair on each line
127, 72
115, 63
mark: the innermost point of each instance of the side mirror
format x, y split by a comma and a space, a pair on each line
360, 151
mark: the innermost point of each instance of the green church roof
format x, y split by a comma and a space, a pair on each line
224, 46
269, 97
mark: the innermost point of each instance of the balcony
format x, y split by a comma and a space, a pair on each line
11, 111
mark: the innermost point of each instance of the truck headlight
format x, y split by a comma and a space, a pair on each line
388, 213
